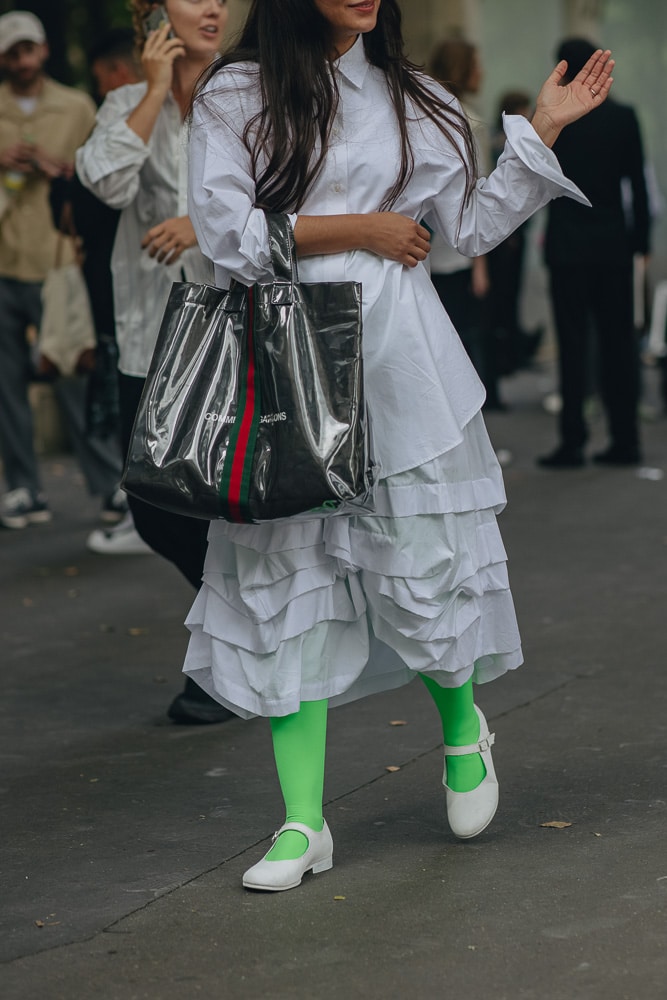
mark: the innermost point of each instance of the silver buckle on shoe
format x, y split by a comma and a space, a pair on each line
486, 743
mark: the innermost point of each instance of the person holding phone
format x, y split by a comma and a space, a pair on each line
135, 161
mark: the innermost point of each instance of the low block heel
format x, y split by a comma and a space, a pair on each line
469, 813
277, 876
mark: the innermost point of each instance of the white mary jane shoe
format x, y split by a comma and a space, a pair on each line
471, 812
276, 876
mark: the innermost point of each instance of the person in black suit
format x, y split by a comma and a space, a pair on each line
589, 253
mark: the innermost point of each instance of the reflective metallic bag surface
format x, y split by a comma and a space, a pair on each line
253, 407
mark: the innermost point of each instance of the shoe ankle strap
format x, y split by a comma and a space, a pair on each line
307, 831
482, 745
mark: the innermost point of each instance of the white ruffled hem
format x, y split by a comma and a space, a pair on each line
345, 606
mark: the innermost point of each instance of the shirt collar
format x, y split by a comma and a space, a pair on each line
354, 64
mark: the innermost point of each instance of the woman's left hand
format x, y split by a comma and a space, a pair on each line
559, 104
170, 239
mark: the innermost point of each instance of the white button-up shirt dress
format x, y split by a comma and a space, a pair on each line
343, 606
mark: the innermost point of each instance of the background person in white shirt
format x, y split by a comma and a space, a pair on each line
462, 283
297, 614
136, 161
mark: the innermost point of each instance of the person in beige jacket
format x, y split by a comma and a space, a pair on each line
42, 124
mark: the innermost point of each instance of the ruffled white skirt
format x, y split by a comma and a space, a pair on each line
340, 607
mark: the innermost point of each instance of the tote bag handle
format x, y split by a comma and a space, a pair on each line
283, 251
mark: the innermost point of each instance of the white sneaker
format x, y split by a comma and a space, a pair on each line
114, 507
121, 540
19, 508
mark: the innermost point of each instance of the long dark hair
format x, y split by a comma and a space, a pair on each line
289, 40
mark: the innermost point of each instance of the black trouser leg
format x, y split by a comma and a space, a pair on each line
569, 296
183, 541
618, 354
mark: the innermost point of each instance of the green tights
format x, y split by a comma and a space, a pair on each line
299, 745
460, 726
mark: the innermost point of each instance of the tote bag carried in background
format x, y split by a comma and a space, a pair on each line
254, 407
67, 328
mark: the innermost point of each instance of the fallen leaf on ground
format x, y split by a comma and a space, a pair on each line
398, 722
392, 767
71, 571
39, 923
137, 631
340, 897
556, 824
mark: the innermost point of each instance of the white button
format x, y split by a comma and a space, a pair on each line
338, 188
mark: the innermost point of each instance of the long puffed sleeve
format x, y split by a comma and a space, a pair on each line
111, 160
526, 178
221, 197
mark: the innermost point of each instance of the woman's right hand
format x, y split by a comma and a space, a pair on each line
158, 57
396, 237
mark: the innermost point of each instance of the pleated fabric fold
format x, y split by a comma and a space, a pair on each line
344, 606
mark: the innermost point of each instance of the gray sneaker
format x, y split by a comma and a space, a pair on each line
20, 507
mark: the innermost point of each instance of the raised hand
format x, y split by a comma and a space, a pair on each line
158, 57
559, 104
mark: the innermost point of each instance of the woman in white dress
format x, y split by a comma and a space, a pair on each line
317, 113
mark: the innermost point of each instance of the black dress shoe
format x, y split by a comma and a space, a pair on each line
562, 458
194, 707
618, 456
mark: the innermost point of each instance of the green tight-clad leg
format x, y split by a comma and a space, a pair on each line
299, 745
460, 726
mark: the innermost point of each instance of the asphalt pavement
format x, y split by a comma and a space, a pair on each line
124, 837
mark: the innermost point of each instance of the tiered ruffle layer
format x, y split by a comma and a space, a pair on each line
341, 607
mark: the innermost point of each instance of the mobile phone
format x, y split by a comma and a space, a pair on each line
155, 20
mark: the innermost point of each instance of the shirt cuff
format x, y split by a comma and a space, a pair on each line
119, 147
527, 145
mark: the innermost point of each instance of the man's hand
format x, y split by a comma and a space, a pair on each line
18, 157
167, 241
50, 166
26, 158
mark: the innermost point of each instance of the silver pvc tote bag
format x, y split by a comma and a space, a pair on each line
254, 406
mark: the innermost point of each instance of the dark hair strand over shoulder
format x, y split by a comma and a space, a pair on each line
288, 40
